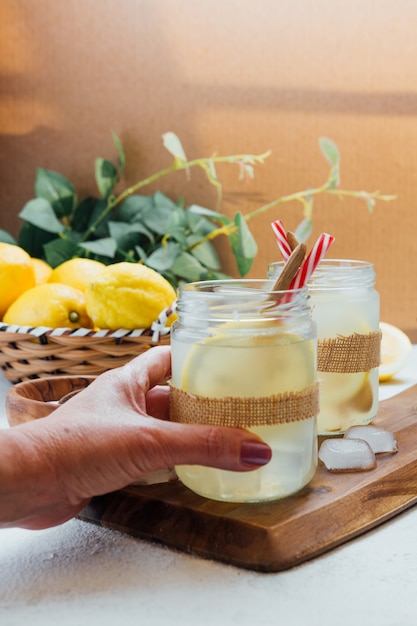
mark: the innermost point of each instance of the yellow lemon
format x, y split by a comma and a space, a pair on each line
42, 271
16, 274
49, 304
395, 350
127, 295
76, 272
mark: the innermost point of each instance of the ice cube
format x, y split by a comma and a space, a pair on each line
379, 439
347, 455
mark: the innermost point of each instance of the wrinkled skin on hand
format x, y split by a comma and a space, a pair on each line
105, 438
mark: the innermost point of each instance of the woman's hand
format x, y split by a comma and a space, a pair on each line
104, 438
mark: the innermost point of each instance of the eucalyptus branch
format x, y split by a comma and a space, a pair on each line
301, 196
206, 163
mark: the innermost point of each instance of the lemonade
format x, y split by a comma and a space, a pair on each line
345, 307
223, 347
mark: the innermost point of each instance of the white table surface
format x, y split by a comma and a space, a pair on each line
79, 573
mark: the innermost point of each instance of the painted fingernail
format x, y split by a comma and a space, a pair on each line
255, 453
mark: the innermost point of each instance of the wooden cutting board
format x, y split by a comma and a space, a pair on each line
275, 536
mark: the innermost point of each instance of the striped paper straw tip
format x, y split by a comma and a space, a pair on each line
316, 254
281, 237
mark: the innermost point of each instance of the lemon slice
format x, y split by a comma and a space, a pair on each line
340, 388
395, 350
251, 366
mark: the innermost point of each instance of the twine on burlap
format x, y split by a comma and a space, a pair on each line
351, 354
239, 412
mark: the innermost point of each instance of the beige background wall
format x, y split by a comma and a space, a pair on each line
227, 76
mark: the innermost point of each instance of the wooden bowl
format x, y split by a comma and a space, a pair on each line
32, 399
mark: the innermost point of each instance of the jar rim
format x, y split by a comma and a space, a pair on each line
240, 299
332, 274
336, 264
235, 286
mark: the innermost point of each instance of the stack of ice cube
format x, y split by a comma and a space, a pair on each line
357, 449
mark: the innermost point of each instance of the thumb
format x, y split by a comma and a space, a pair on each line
214, 446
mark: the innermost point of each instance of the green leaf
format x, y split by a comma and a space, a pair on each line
188, 267
102, 229
83, 212
59, 250
243, 245
120, 232
128, 235
214, 215
198, 224
162, 258
247, 243
334, 178
304, 230
243, 264
32, 239
160, 199
121, 159
57, 189
40, 213
141, 253
177, 219
118, 229
133, 207
177, 225
157, 216
330, 151
172, 143
204, 252
6, 237
106, 177
106, 246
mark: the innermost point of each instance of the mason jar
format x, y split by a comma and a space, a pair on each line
245, 357
345, 307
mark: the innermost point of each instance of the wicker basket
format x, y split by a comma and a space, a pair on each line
40, 352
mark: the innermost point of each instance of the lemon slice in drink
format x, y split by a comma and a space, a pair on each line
236, 364
341, 388
395, 350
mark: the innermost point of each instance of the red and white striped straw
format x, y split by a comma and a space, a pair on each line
281, 237
316, 254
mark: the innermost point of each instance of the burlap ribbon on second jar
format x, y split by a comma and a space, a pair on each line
350, 354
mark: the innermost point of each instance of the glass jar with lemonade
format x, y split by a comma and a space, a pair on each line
245, 357
345, 307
